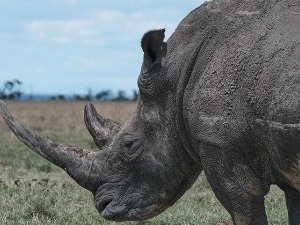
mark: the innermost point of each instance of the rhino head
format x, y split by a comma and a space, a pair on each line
143, 166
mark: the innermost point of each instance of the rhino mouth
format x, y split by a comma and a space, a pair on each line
123, 213
109, 210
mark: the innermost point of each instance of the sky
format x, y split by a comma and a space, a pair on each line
71, 46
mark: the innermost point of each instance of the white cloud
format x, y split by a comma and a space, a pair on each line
92, 62
102, 27
101, 63
38, 70
105, 16
72, 1
63, 32
5, 36
92, 42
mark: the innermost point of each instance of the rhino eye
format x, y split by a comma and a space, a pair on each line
129, 144
131, 147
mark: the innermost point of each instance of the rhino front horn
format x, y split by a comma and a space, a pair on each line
76, 162
102, 130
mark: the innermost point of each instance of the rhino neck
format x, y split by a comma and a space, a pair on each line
180, 115
181, 125
187, 56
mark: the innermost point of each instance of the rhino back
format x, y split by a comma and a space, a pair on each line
239, 59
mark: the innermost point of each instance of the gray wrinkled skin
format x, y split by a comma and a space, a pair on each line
222, 95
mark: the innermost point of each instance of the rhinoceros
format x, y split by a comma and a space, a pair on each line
222, 96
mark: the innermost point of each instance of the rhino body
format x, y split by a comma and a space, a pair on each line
221, 95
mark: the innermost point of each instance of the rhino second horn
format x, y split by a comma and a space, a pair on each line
75, 161
102, 130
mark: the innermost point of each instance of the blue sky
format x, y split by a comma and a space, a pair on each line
69, 46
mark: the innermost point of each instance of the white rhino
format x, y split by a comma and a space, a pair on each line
221, 95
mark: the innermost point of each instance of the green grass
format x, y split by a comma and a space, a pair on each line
33, 191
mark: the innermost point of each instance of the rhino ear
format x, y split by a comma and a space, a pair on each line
154, 49
153, 46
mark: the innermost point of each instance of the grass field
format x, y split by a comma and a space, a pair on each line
33, 191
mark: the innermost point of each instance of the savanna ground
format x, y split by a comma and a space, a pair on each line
33, 191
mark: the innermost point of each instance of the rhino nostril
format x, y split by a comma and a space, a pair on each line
102, 204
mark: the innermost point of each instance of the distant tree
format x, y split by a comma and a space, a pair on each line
11, 90
135, 95
77, 97
121, 96
86, 97
61, 97
103, 95
1, 93
89, 95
